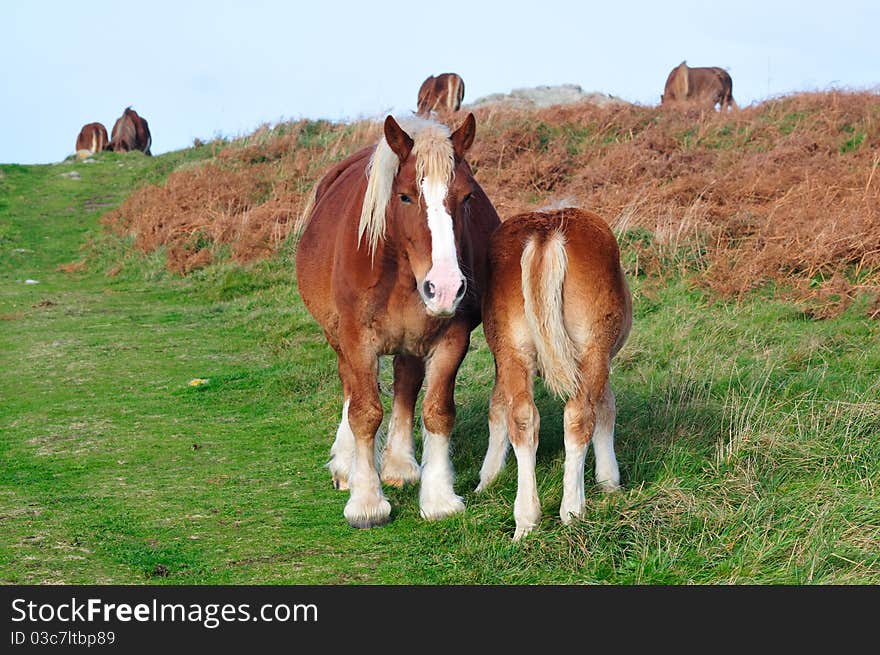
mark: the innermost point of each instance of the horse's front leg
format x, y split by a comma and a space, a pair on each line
367, 506
437, 499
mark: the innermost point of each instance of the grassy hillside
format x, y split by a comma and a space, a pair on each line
747, 431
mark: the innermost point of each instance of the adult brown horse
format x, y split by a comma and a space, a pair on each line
131, 132
708, 86
557, 303
92, 138
442, 93
392, 261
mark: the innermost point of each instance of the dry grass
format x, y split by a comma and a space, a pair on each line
784, 192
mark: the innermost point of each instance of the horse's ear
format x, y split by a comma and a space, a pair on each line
398, 140
463, 137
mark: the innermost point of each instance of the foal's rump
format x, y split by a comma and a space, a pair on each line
559, 274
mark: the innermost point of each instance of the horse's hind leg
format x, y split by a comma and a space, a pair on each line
523, 425
580, 420
399, 464
607, 472
496, 453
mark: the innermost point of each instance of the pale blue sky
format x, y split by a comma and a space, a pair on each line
200, 69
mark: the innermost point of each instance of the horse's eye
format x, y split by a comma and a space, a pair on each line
405, 198
467, 198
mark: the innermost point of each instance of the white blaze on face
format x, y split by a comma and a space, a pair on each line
444, 278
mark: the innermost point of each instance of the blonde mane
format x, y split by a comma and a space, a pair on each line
435, 161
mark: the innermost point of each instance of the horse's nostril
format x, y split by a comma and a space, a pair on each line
430, 291
460, 293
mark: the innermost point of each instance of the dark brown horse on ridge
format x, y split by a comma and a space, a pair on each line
130, 132
392, 261
442, 94
557, 304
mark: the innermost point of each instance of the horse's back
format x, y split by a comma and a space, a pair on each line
330, 225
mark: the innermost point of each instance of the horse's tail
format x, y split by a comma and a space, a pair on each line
544, 267
682, 83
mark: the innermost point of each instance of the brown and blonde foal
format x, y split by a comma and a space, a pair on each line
557, 305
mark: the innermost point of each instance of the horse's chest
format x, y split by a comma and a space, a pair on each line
413, 334
405, 327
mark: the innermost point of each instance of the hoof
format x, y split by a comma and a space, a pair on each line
571, 514
522, 531
361, 515
483, 486
439, 508
608, 487
399, 474
365, 522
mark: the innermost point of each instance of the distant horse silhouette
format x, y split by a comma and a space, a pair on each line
392, 261
443, 94
92, 138
702, 86
557, 303
130, 132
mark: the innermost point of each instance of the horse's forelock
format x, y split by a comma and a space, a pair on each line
435, 161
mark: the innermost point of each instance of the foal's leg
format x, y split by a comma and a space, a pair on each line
607, 472
496, 453
399, 465
437, 499
515, 378
367, 505
579, 423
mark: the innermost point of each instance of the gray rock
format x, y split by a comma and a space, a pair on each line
547, 96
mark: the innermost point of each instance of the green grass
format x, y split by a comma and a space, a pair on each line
747, 434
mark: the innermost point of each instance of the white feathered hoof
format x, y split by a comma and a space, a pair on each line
397, 473
609, 487
436, 507
364, 515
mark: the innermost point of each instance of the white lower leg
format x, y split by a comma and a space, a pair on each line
573, 481
607, 472
437, 498
526, 507
399, 465
496, 452
342, 451
367, 505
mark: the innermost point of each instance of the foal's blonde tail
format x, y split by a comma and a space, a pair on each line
543, 274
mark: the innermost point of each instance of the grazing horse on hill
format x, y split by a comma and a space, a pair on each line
443, 94
131, 132
392, 261
704, 86
557, 303
92, 138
